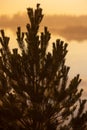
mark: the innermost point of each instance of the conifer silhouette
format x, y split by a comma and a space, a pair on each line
34, 93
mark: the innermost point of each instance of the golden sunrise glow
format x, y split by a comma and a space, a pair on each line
74, 7
65, 19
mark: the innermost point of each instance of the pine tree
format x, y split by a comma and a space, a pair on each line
35, 93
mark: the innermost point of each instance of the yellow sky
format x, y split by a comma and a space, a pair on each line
74, 7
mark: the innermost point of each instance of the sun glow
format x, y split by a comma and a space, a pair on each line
73, 7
